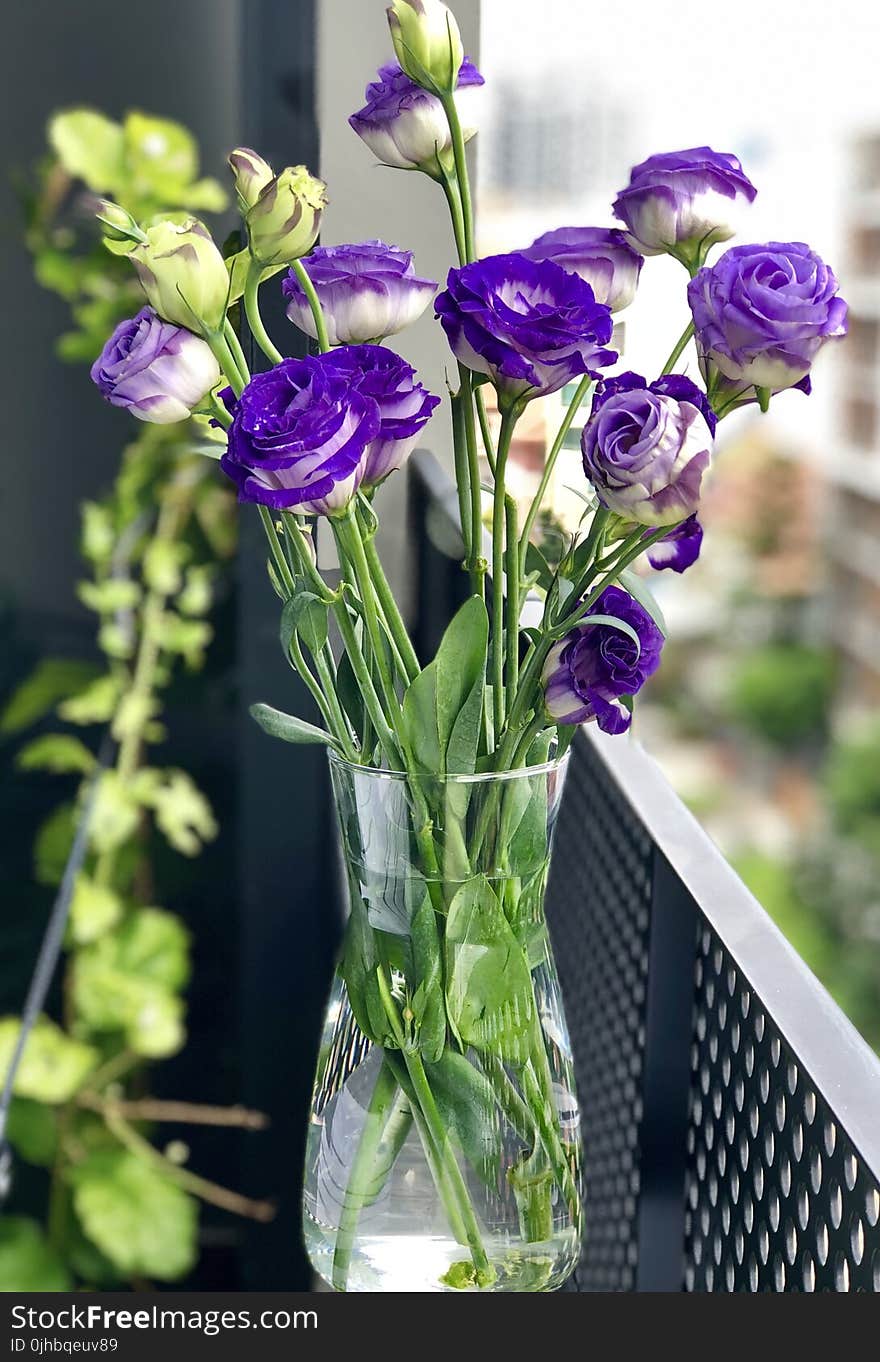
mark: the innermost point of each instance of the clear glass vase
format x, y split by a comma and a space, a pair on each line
444, 1148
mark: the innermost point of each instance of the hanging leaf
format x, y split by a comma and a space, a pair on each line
442, 708
288, 727
53, 1066
95, 703
488, 984
470, 1112
640, 591
182, 812
32, 1131
90, 147
94, 909
60, 753
52, 844
135, 1215
349, 692
114, 814
27, 1260
52, 680
304, 614
538, 568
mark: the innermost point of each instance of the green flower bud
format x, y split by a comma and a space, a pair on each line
251, 174
427, 42
117, 222
284, 222
183, 274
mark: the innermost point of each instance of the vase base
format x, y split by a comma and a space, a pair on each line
403, 1262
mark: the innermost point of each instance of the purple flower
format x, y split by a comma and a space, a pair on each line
529, 324
405, 126
588, 670
404, 404
762, 313
680, 549
298, 437
683, 199
367, 291
157, 370
646, 447
602, 257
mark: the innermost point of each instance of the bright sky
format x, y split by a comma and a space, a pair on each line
786, 86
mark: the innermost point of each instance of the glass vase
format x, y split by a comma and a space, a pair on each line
444, 1147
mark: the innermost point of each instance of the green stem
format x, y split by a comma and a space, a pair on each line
361, 1175
228, 366
462, 473
229, 335
314, 303
477, 564
436, 1167
388, 604
508, 425
348, 537
544, 1112
461, 174
512, 597
453, 198
574, 406
678, 349
252, 312
488, 443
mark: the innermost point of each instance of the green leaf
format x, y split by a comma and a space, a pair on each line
287, 727
181, 811
114, 813
613, 622
98, 537
488, 984
90, 147
27, 1260
349, 692
469, 1110
161, 156
94, 909
640, 591
442, 707
32, 1131
53, 1066
51, 681
538, 567
238, 265
188, 637
427, 981
304, 614
94, 703
115, 593
57, 752
358, 965
163, 564
127, 981
52, 844
135, 1215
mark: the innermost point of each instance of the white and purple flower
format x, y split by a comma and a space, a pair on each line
405, 406
157, 371
602, 256
762, 313
588, 670
679, 549
308, 433
406, 127
681, 201
647, 446
529, 324
367, 291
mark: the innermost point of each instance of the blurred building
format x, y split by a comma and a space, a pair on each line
853, 542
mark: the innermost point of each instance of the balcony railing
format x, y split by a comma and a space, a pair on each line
731, 1111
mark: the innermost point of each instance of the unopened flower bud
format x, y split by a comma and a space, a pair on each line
284, 222
119, 227
251, 174
183, 274
427, 42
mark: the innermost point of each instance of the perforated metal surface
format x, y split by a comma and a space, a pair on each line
777, 1197
598, 908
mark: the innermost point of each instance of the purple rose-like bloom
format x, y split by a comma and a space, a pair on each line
404, 404
405, 126
602, 257
158, 371
588, 670
646, 447
298, 437
367, 291
529, 324
682, 198
680, 549
762, 313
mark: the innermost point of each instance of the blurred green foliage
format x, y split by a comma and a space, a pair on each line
118, 1210
781, 693
852, 785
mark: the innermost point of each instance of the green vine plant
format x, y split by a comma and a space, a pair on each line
121, 1208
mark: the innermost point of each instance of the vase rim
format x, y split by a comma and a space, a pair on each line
452, 778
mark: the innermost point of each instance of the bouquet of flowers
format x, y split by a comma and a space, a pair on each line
445, 1148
